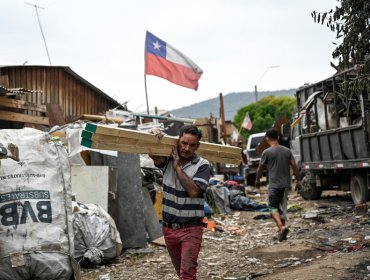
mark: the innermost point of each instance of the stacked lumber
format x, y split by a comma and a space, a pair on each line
12, 108
138, 142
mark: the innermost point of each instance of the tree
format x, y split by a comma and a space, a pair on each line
351, 22
264, 112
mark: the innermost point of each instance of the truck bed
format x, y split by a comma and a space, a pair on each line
336, 148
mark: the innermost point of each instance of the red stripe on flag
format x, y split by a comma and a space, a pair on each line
173, 72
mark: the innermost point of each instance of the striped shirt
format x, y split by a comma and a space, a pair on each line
178, 206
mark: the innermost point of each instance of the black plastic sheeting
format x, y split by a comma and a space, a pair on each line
238, 201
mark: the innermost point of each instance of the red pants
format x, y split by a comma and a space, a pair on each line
183, 246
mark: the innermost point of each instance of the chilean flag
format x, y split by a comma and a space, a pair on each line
247, 122
163, 60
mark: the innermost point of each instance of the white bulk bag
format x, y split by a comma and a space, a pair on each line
36, 234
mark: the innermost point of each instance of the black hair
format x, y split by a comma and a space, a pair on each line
191, 129
272, 134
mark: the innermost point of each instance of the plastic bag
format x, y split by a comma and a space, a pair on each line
96, 237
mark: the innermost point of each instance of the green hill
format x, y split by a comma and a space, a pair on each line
232, 103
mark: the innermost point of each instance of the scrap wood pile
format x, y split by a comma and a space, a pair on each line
15, 107
136, 142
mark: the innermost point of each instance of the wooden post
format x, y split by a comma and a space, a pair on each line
222, 117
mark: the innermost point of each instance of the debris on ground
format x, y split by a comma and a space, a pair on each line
238, 246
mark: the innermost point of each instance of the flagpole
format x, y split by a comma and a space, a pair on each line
146, 96
240, 129
146, 92
241, 125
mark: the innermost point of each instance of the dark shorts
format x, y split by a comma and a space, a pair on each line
276, 198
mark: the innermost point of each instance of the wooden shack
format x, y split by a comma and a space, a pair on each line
26, 87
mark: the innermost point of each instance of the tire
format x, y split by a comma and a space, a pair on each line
308, 190
359, 190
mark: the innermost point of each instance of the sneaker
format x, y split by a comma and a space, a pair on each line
283, 234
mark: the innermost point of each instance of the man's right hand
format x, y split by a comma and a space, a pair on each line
157, 132
158, 160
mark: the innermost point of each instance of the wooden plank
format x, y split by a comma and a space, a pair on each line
23, 118
21, 104
3, 93
208, 153
108, 139
55, 114
113, 141
4, 81
129, 146
160, 151
144, 136
215, 158
101, 118
128, 133
138, 140
222, 148
135, 142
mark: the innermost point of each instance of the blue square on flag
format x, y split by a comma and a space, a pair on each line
155, 45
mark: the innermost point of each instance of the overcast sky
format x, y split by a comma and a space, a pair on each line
235, 42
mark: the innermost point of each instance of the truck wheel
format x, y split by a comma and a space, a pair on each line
308, 190
359, 191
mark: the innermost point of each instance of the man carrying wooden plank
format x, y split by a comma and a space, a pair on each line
185, 179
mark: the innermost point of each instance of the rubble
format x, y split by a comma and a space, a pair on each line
246, 248
242, 245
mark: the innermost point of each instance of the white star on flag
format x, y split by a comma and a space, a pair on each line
156, 45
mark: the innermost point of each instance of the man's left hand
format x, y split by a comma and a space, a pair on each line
175, 157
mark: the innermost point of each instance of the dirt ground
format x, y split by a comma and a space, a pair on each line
328, 239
